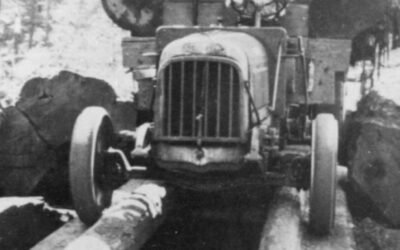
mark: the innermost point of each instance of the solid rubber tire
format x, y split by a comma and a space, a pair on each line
323, 173
91, 127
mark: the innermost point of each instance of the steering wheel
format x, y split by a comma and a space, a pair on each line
250, 7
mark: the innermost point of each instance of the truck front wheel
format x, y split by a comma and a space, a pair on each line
323, 173
92, 136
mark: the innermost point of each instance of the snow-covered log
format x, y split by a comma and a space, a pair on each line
136, 211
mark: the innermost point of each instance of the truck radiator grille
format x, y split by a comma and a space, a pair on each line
201, 100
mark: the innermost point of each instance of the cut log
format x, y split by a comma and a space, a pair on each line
341, 236
287, 224
52, 105
24, 156
24, 221
282, 227
35, 133
60, 238
136, 211
372, 147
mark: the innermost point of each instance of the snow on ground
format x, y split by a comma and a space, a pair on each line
82, 40
389, 82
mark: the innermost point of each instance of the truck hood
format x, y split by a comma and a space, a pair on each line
240, 48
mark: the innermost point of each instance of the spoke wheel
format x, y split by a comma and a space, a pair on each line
323, 173
91, 137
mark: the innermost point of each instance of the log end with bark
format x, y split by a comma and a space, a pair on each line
372, 148
35, 133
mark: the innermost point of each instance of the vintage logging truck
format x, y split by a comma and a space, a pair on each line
236, 95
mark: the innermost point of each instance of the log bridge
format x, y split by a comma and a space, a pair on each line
137, 209
140, 206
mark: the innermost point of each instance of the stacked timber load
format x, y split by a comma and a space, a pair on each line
372, 142
35, 133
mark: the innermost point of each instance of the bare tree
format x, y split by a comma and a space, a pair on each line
32, 13
48, 20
